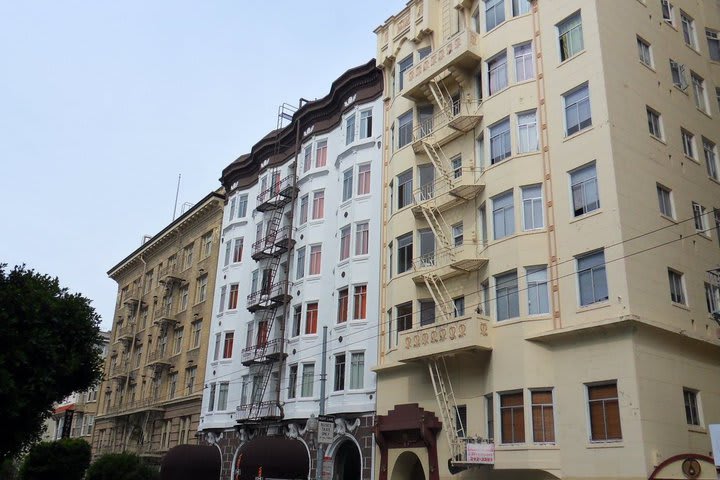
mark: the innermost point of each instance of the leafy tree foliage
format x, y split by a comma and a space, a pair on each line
49, 347
65, 459
121, 466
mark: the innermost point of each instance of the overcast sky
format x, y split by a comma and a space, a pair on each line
104, 103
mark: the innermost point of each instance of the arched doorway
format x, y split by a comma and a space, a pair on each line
347, 464
408, 467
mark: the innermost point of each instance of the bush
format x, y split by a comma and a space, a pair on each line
8, 469
121, 466
65, 459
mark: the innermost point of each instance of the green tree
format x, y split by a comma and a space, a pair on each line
66, 459
121, 466
49, 347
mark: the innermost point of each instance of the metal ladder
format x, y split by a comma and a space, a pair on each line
440, 295
448, 408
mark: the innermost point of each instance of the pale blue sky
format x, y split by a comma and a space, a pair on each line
103, 103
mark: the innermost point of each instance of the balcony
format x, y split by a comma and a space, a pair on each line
449, 262
443, 127
170, 275
134, 406
269, 297
443, 195
278, 195
120, 370
466, 334
159, 358
461, 52
126, 333
264, 411
274, 244
132, 297
264, 352
163, 316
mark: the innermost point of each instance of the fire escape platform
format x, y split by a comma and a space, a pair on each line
264, 353
449, 263
467, 334
446, 197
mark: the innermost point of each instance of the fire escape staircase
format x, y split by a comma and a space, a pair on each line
445, 396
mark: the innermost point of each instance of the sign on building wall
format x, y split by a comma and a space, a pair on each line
481, 453
326, 431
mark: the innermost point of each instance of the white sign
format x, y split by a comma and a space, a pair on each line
326, 432
715, 440
481, 453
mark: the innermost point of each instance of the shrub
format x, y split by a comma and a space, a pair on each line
120, 466
65, 459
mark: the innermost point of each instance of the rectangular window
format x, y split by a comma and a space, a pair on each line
318, 205
688, 28
500, 147
188, 256
506, 296
363, 185
644, 52
321, 154
427, 312
677, 290
311, 318
308, 379
211, 398
524, 65
233, 297
206, 242
592, 280
712, 298
360, 302
512, 418
405, 188
223, 396
228, 345
532, 207
184, 296
233, 206
362, 238
343, 305
521, 7
238, 249
577, 110
713, 40
527, 132
178, 340
403, 314
307, 158
679, 77
315, 259
489, 416
304, 202
190, 374
494, 13
497, 73
699, 213
242, 205
345, 242
456, 165
300, 265
357, 370
297, 320
459, 307
172, 384
405, 128
347, 184
570, 36
688, 141
228, 252
654, 125
692, 413
668, 11
339, 383
195, 333
698, 84
405, 252
350, 129
665, 201
711, 158
604, 412
457, 234
503, 215
403, 66
537, 288
201, 292
584, 189
292, 381
366, 124
543, 420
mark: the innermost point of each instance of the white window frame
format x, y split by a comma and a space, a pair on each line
575, 50
699, 91
654, 120
576, 106
676, 281
527, 132
688, 30
665, 201
688, 143
532, 203
644, 52
584, 184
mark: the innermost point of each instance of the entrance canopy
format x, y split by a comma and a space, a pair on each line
278, 457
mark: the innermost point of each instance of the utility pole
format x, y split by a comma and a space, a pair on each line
323, 378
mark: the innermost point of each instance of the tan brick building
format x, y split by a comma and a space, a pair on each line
151, 396
552, 207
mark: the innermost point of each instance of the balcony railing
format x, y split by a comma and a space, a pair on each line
269, 297
126, 332
253, 412
161, 356
273, 244
164, 314
132, 296
263, 352
449, 262
447, 124
120, 370
279, 194
171, 273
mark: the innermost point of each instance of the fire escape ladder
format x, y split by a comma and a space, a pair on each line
448, 407
442, 97
438, 159
439, 226
440, 295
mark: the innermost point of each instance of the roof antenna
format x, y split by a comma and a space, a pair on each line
177, 192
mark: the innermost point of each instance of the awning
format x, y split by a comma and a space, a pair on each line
191, 462
63, 408
279, 457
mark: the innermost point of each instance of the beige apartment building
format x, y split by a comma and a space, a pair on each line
551, 215
151, 396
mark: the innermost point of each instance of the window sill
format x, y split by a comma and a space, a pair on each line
577, 134
522, 319
316, 221
564, 62
593, 306
704, 112
714, 180
606, 444
670, 219
692, 159
527, 446
597, 211
495, 94
658, 139
313, 172
680, 305
649, 67
694, 48
679, 89
703, 234
697, 429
